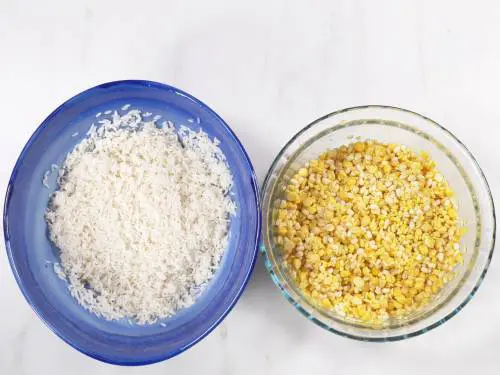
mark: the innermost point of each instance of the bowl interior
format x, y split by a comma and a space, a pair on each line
32, 255
388, 125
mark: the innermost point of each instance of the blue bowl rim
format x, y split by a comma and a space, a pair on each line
41, 127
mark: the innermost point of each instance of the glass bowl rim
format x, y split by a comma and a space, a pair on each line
256, 236
297, 303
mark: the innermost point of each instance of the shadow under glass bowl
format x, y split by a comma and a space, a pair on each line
32, 255
454, 161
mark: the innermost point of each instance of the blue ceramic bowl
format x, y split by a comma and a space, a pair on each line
32, 255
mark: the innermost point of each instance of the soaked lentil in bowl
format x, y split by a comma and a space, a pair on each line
369, 230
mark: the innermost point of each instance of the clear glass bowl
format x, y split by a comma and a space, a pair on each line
455, 162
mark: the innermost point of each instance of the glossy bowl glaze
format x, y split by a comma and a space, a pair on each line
32, 255
455, 162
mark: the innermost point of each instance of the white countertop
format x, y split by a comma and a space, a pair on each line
268, 68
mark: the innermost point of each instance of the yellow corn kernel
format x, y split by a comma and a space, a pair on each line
292, 196
308, 202
297, 263
423, 250
326, 304
345, 273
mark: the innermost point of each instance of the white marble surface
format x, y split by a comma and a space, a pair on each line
268, 67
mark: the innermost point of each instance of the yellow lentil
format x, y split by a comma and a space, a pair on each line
369, 230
